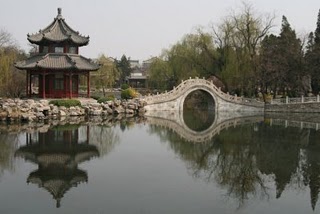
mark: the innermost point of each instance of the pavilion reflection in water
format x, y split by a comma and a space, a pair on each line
58, 153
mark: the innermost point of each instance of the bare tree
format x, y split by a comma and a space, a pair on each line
239, 38
6, 39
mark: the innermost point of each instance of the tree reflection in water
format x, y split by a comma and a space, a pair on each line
245, 160
8, 144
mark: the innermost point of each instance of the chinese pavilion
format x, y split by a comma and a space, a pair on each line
58, 64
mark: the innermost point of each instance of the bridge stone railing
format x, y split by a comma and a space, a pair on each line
302, 99
296, 124
187, 84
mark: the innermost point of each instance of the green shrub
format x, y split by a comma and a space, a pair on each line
124, 86
65, 103
128, 93
96, 97
105, 99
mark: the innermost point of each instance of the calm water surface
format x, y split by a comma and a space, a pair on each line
150, 165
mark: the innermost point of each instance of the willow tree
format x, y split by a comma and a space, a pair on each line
107, 74
160, 75
12, 82
193, 56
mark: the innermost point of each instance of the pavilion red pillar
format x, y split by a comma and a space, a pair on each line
88, 84
70, 85
30, 85
43, 85
27, 84
65, 84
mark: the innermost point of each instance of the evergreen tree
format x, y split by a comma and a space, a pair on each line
291, 61
317, 32
124, 67
312, 57
270, 76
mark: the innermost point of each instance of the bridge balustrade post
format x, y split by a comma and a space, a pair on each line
302, 99
287, 99
318, 98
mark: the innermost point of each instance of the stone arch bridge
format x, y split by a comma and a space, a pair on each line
174, 99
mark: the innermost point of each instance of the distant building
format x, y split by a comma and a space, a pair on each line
139, 75
146, 64
134, 64
58, 65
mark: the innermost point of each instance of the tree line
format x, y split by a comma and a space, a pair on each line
240, 51
243, 53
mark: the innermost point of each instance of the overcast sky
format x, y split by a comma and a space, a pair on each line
140, 28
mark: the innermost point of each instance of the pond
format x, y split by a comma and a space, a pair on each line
252, 164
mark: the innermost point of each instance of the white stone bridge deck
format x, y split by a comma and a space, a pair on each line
174, 99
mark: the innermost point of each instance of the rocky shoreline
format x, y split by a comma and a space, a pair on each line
30, 110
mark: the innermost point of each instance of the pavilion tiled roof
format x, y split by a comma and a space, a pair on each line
58, 31
58, 61
57, 154
57, 181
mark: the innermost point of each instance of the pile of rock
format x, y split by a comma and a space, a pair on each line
38, 110
115, 107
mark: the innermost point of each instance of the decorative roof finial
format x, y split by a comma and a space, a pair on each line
59, 11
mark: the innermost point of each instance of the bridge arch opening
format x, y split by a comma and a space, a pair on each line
199, 110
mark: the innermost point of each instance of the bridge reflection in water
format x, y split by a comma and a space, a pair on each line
176, 121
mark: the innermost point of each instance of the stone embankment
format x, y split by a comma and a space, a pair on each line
44, 125
37, 110
294, 107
